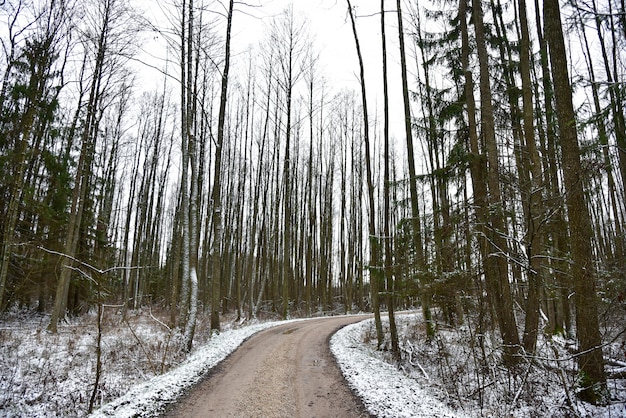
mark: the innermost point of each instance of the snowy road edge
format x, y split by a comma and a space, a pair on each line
385, 391
150, 398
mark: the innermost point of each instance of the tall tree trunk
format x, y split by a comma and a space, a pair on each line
415, 213
88, 140
558, 291
192, 232
185, 96
496, 263
310, 209
590, 361
216, 245
287, 227
374, 264
534, 237
388, 262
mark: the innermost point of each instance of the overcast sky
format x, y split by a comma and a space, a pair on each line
329, 25
331, 32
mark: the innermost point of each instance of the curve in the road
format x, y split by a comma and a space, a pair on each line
285, 371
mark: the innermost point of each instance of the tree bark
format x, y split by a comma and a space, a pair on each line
590, 361
415, 213
388, 262
83, 170
216, 276
534, 237
374, 264
496, 263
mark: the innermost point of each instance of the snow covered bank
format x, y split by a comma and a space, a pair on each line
152, 397
440, 378
385, 391
44, 375
52, 375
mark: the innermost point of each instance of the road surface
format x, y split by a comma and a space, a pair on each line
285, 371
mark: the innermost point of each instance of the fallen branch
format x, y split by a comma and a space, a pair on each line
410, 350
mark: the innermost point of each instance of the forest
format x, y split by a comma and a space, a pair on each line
241, 185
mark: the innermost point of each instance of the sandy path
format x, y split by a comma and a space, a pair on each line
285, 371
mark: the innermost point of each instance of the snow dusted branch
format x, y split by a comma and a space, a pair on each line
159, 321
409, 349
143, 348
89, 266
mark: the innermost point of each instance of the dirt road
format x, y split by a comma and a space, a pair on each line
285, 371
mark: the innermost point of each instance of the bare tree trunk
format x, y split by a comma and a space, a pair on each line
534, 236
496, 263
593, 379
415, 213
192, 232
388, 262
185, 96
374, 264
261, 191
216, 246
287, 167
83, 168
557, 230
310, 209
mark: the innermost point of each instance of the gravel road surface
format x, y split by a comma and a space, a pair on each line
285, 371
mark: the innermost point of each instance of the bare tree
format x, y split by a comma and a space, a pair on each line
374, 264
110, 21
593, 380
289, 37
415, 212
536, 217
496, 264
388, 262
216, 196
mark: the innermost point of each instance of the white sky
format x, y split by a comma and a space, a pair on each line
329, 26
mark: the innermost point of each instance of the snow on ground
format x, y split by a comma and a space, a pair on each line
152, 397
44, 375
440, 378
143, 368
385, 391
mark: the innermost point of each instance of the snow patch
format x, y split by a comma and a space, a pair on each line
151, 398
384, 390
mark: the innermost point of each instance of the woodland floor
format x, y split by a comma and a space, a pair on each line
144, 371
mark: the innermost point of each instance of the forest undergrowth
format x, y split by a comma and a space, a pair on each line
54, 374
45, 374
464, 369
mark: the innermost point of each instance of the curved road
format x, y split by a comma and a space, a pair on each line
285, 371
